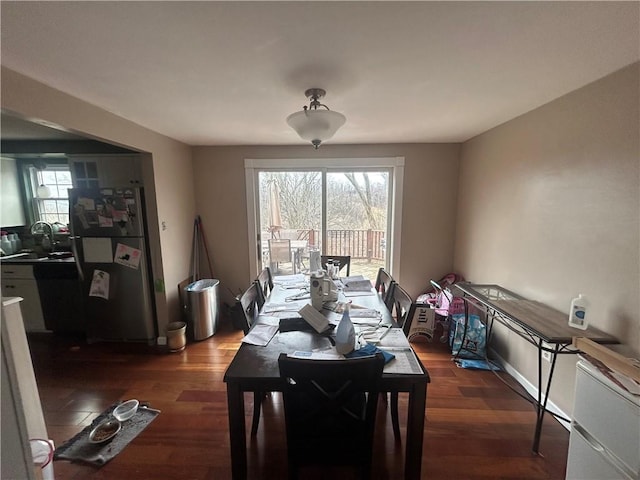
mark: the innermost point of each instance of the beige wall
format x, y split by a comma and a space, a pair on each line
549, 208
429, 202
167, 174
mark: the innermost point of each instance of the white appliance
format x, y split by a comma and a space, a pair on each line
605, 430
322, 289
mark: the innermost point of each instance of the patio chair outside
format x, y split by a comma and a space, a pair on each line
280, 252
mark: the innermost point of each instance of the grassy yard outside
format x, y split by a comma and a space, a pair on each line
366, 268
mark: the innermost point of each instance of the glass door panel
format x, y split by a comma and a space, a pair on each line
358, 218
290, 212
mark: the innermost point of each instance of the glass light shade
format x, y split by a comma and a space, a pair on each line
316, 125
43, 191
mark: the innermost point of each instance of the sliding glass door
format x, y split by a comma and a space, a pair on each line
333, 210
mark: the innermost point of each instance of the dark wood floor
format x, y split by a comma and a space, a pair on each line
476, 427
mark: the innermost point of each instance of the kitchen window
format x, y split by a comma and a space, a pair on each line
49, 191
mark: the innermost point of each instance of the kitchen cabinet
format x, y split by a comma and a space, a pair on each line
92, 171
11, 207
52, 292
120, 171
84, 173
19, 281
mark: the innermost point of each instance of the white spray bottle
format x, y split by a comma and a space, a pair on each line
346, 333
578, 313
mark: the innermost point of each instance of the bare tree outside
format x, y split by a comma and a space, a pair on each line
301, 195
364, 205
300, 198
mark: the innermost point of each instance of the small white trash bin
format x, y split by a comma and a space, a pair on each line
177, 336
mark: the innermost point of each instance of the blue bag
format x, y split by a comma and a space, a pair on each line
469, 344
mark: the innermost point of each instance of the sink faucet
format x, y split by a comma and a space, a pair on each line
37, 228
40, 227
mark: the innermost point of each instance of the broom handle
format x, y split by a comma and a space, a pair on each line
204, 243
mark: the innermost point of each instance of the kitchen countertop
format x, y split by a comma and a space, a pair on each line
27, 260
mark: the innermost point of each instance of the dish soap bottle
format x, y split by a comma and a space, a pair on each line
6, 245
346, 334
578, 313
46, 243
15, 242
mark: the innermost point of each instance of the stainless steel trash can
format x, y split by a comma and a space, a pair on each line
202, 308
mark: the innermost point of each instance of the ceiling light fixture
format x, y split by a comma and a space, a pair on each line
313, 124
43, 191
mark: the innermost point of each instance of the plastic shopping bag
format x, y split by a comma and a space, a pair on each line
470, 343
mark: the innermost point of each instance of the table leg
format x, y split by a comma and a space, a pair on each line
541, 405
415, 431
237, 434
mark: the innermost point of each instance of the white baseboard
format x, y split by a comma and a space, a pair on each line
161, 341
530, 388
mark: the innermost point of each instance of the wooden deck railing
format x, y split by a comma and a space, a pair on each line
367, 244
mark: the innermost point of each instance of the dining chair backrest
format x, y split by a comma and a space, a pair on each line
265, 284
250, 301
384, 286
279, 250
402, 307
330, 403
345, 261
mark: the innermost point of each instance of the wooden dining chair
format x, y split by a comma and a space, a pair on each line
250, 300
330, 411
384, 287
265, 284
402, 313
250, 305
345, 261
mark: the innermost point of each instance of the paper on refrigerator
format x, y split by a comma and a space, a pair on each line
99, 285
127, 256
97, 250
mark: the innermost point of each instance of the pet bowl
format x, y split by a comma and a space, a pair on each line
126, 410
105, 431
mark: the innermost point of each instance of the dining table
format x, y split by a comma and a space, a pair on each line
254, 367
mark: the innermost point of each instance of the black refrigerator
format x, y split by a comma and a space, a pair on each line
109, 235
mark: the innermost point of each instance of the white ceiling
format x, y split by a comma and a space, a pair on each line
14, 128
229, 73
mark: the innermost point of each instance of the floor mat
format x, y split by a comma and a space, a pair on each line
79, 449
